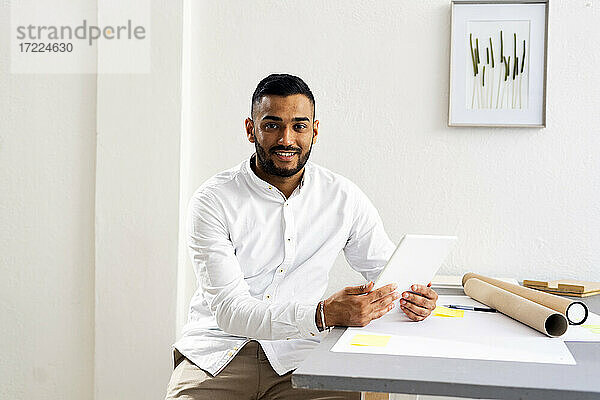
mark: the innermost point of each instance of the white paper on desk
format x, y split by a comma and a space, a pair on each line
536, 350
580, 333
477, 335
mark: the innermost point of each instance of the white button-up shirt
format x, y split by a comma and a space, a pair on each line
262, 261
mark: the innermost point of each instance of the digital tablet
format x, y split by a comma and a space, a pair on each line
415, 261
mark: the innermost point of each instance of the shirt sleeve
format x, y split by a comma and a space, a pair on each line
368, 248
222, 282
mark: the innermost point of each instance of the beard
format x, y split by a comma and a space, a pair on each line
268, 165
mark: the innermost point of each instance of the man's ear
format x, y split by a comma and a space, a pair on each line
249, 125
315, 130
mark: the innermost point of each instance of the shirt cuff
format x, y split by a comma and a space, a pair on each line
305, 318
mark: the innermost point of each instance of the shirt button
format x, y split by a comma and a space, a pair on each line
286, 204
270, 187
231, 353
235, 348
289, 239
312, 334
281, 270
268, 296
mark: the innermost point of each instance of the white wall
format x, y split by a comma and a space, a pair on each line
89, 224
47, 173
522, 201
137, 197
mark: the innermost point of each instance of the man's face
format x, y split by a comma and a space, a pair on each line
283, 131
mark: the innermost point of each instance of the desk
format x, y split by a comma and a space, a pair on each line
324, 369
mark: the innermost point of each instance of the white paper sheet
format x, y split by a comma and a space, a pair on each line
584, 332
477, 335
536, 350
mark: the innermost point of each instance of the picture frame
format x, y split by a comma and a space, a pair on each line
490, 85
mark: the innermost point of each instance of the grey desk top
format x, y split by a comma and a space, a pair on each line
324, 369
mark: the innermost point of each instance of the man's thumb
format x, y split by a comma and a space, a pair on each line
366, 288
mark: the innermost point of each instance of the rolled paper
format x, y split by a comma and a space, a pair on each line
575, 311
538, 317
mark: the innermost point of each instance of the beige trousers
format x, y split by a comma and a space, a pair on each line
248, 376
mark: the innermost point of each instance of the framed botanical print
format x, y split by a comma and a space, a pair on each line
498, 57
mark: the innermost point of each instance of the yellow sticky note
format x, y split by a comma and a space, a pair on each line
441, 311
593, 328
370, 340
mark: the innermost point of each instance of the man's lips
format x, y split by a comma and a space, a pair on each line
285, 155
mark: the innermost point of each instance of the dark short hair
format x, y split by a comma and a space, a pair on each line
281, 85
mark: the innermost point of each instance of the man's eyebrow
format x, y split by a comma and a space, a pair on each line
274, 118
271, 117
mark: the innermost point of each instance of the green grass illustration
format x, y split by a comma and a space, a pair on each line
505, 91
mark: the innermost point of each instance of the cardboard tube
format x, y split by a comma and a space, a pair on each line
538, 317
575, 311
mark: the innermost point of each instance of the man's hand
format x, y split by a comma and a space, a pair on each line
357, 305
418, 306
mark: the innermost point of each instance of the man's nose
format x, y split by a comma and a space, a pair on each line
287, 137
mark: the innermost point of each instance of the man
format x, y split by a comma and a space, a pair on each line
262, 237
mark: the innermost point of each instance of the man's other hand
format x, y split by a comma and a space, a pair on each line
418, 306
358, 305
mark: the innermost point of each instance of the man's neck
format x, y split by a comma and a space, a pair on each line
285, 184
